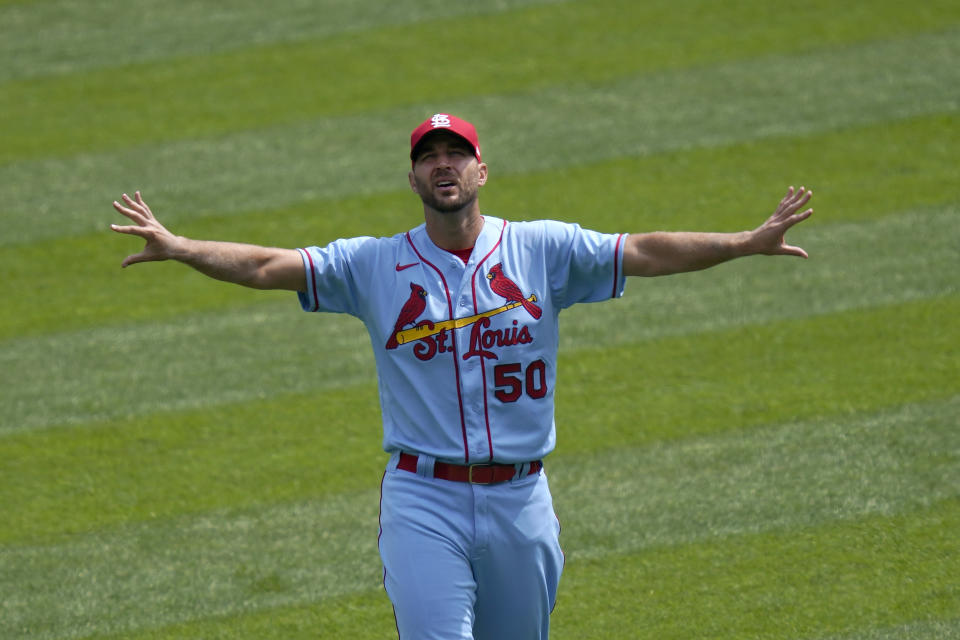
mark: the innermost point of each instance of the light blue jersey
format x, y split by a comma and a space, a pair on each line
466, 354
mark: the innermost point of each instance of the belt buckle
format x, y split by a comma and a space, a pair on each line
480, 466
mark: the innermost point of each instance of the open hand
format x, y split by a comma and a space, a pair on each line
768, 238
161, 243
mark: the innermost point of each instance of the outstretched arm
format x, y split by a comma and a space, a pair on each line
245, 264
662, 253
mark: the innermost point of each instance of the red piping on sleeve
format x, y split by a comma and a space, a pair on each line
313, 280
616, 265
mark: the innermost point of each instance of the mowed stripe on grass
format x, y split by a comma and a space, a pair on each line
857, 174
875, 572
92, 476
633, 116
921, 630
209, 359
323, 76
368, 617
797, 419
671, 507
59, 37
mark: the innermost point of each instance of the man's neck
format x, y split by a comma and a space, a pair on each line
454, 230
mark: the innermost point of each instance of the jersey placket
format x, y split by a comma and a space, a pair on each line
471, 368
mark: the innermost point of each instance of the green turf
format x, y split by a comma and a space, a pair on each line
822, 366
363, 616
289, 82
811, 477
858, 174
763, 450
902, 249
875, 572
58, 37
340, 156
677, 388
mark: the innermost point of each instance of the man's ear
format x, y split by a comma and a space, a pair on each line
413, 182
483, 174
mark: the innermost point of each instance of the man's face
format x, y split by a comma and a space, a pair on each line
446, 174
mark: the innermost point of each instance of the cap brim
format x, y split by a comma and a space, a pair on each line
415, 151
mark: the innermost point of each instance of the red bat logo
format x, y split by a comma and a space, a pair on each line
504, 286
411, 310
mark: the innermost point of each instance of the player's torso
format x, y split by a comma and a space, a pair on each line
466, 353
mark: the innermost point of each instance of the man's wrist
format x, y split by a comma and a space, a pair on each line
182, 249
745, 243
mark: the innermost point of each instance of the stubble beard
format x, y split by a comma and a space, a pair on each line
466, 197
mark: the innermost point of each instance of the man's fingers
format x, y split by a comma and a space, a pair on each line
794, 218
135, 208
789, 197
145, 226
133, 230
143, 205
790, 250
133, 214
138, 205
795, 194
134, 258
794, 197
793, 201
133, 204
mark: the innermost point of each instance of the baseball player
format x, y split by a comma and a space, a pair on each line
462, 313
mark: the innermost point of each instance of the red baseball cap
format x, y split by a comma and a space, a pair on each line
450, 123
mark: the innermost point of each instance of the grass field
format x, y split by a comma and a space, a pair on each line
766, 450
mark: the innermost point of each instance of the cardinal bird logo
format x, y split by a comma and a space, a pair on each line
411, 310
504, 286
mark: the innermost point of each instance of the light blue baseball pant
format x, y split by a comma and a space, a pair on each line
465, 562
